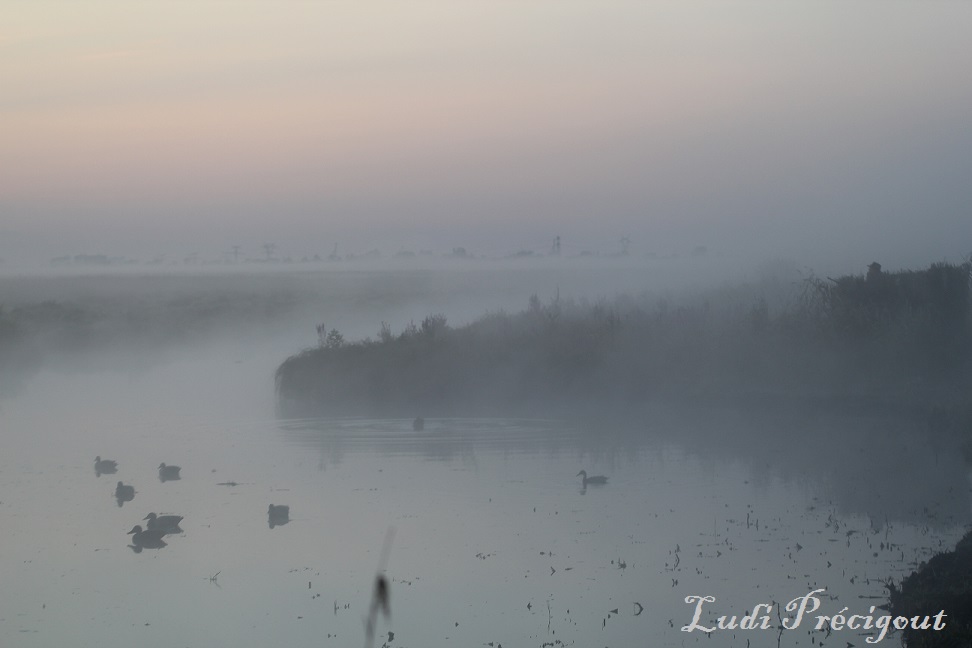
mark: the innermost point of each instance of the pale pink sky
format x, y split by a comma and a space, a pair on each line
142, 128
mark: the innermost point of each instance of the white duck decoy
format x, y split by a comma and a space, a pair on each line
147, 539
168, 473
595, 480
165, 523
105, 466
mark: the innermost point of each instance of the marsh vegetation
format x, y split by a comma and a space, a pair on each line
864, 343
944, 582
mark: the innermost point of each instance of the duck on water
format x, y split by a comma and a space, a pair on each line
278, 515
147, 539
105, 466
124, 493
596, 480
165, 523
168, 473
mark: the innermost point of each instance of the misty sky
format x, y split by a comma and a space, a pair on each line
820, 131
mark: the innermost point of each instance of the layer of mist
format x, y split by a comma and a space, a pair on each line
846, 396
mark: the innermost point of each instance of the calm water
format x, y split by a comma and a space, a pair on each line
494, 540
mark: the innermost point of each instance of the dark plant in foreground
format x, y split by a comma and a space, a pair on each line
943, 583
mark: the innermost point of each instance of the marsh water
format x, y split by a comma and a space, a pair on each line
484, 530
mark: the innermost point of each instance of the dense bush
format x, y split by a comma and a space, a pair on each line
883, 339
943, 583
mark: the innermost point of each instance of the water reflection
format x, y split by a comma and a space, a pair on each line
124, 493
440, 439
878, 467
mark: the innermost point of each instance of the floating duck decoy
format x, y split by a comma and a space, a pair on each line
105, 466
278, 515
147, 539
165, 523
595, 480
418, 424
168, 473
124, 493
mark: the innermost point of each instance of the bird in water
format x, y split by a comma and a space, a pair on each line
165, 523
278, 515
105, 466
168, 473
418, 424
124, 493
147, 539
595, 480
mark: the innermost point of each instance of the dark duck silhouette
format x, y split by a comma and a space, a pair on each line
124, 493
418, 424
596, 480
105, 466
165, 523
168, 473
278, 515
147, 539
